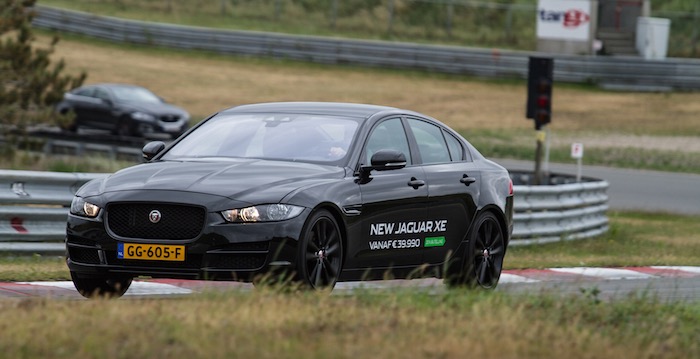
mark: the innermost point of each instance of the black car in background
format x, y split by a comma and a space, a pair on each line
125, 110
322, 192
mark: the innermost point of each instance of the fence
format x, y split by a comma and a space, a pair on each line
628, 72
34, 207
562, 210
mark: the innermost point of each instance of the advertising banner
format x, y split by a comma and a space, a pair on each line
564, 19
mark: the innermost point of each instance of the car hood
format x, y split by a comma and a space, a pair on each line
247, 180
153, 108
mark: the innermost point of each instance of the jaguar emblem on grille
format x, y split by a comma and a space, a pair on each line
154, 216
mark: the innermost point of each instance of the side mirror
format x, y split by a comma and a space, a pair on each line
386, 160
152, 149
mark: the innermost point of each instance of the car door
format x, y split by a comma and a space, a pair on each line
453, 188
393, 204
82, 102
102, 111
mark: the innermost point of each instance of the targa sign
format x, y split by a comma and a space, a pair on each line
564, 19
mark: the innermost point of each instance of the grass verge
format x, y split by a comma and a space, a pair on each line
270, 324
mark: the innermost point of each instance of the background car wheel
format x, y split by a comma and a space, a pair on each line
320, 256
483, 260
93, 287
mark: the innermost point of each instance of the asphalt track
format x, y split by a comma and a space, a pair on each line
639, 190
662, 283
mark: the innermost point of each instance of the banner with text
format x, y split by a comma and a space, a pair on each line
564, 19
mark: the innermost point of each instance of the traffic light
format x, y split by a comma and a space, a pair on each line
539, 90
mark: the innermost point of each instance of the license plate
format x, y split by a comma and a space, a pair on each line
151, 252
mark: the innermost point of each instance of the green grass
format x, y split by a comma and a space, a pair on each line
32, 268
634, 239
271, 324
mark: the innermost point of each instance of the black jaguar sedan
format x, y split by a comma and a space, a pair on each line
316, 192
125, 110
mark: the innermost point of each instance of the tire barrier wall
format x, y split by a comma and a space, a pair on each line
561, 210
632, 73
34, 207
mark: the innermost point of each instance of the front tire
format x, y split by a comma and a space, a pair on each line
320, 256
95, 287
483, 260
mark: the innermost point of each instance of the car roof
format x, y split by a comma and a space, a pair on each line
326, 108
112, 85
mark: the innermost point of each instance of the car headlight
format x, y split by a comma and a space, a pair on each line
142, 116
80, 207
263, 213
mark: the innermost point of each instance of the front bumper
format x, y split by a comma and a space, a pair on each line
222, 251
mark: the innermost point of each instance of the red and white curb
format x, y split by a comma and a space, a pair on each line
167, 287
593, 274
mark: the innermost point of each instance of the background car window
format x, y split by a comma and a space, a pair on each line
86, 91
388, 135
431, 143
135, 94
455, 147
102, 94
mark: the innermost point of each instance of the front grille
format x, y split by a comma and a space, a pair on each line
246, 246
80, 241
132, 220
235, 261
83, 255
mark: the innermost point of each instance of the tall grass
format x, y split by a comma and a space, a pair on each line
402, 324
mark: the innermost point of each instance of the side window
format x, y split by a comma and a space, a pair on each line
455, 147
388, 135
431, 143
87, 92
101, 94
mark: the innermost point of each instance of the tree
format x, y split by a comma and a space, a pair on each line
30, 85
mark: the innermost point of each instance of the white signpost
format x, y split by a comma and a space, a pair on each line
577, 154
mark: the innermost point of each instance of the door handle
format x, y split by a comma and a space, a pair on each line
415, 183
467, 180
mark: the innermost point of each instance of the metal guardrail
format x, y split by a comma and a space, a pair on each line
34, 208
562, 210
613, 72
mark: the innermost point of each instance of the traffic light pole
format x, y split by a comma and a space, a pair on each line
539, 108
539, 175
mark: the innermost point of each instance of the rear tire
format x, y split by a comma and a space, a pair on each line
320, 255
96, 287
483, 259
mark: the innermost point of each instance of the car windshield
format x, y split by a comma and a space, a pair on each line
294, 137
135, 94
